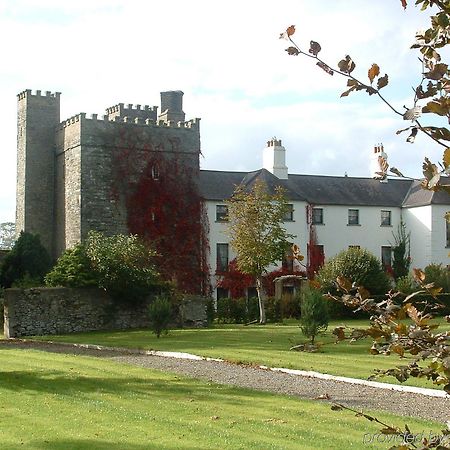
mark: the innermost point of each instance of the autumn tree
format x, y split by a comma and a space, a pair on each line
256, 232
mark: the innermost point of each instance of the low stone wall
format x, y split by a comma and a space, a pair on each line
39, 311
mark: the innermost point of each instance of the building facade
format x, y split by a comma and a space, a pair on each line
84, 173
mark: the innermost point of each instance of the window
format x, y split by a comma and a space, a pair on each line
353, 217
289, 214
155, 172
354, 246
447, 232
386, 218
288, 260
222, 293
317, 216
386, 256
222, 257
221, 213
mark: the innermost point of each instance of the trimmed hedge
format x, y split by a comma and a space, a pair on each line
243, 310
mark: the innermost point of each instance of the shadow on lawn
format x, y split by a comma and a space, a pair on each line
89, 444
147, 388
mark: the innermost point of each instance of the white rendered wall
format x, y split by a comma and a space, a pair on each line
418, 222
336, 235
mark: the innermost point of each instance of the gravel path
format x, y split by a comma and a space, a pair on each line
353, 395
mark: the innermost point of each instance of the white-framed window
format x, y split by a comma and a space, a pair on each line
222, 257
353, 217
386, 218
317, 216
289, 213
221, 213
386, 256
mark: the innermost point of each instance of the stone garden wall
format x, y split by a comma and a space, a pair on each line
40, 311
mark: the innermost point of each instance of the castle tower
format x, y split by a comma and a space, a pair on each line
377, 159
172, 106
274, 159
37, 118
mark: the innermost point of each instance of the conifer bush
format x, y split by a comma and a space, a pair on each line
160, 312
314, 314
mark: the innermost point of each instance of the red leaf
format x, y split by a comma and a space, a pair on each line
290, 30
404, 4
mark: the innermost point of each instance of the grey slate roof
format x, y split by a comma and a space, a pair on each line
325, 190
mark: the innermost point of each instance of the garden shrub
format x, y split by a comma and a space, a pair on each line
314, 316
27, 282
28, 259
439, 275
406, 285
358, 265
160, 313
124, 265
73, 269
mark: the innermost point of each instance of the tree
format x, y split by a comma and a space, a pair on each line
7, 235
433, 88
256, 232
27, 259
124, 265
401, 252
314, 313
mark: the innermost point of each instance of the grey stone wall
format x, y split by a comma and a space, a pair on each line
37, 118
41, 311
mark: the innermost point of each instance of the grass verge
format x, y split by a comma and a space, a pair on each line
265, 345
52, 401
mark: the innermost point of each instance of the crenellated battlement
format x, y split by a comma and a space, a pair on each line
121, 107
38, 93
192, 124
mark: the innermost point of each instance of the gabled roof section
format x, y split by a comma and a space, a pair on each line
329, 190
417, 196
272, 182
325, 190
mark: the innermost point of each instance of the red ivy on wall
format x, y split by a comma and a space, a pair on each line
164, 207
238, 282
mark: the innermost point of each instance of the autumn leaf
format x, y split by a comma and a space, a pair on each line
292, 51
346, 65
314, 48
412, 113
382, 82
373, 72
446, 158
438, 71
412, 137
404, 3
419, 275
344, 283
290, 30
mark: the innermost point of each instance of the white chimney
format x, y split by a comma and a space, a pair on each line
376, 160
274, 159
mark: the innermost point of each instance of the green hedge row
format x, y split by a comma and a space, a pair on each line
243, 310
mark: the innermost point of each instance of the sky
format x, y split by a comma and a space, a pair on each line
228, 60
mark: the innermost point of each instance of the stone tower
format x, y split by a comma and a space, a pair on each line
37, 119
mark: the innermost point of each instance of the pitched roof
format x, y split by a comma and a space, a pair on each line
325, 190
417, 196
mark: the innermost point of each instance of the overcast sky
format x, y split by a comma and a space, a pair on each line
229, 61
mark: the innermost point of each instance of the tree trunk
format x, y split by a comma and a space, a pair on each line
261, 299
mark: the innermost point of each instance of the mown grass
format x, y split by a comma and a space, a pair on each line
266, 345
53, 401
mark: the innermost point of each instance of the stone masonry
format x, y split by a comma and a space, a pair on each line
65, 170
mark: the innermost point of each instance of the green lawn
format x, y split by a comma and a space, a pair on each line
267, 345
53, 401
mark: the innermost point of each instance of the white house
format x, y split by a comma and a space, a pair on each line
343, 211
